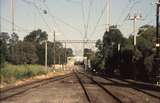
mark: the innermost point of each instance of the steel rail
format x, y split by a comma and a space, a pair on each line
31, 86
103, 88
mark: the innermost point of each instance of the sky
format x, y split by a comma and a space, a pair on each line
68, 18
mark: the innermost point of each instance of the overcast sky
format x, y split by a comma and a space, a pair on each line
68, 18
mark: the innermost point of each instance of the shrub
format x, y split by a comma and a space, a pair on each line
10, 73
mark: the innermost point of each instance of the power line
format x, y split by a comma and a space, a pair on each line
13, 10
69, 25
129, 10
10, 22
148, 16
38, 10
99, 19
62, 21
89, 14
58, 19
86, 24
83, 15
42, 17
122, 13
53, 18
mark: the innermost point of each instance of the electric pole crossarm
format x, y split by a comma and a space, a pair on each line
135, 18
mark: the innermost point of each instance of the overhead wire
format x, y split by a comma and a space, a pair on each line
148, 14
122, 13
88, 19
123, 21
53, 18
83, 15
60, 20
69, 25
10, 22
98, 21
40, 14
129, 10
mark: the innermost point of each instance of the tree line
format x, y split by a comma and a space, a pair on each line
30, 50
125, 60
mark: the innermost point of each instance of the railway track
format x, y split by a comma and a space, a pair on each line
88, 95
81, 87
84, 89
120, 95
138, 87
11, 92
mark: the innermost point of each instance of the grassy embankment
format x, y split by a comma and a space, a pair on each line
10, 73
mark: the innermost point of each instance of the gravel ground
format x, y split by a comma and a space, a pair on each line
97, 94
69, 90
129, 94
63, 91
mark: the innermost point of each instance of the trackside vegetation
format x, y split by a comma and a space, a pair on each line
116, 55
25, 58
10, 73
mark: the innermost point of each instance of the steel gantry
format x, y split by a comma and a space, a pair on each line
77, 41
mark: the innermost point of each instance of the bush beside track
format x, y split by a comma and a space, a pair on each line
11, 73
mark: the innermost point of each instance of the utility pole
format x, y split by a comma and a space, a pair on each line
134, 19
108, 14
83, 49
65, 53
13, 8
157, 56
0, 14
54, 54
45, 54
119, 47
59, 58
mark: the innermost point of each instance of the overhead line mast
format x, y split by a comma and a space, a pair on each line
157, 30
108, 14
157, 56
0, 18
13, 11
54, 55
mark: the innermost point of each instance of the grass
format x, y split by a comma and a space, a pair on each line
10, 73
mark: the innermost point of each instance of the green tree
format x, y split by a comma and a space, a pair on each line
13, 39
111, 40
146, 44
36, 36
97, 59
4, 38
69, 52
24, 53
